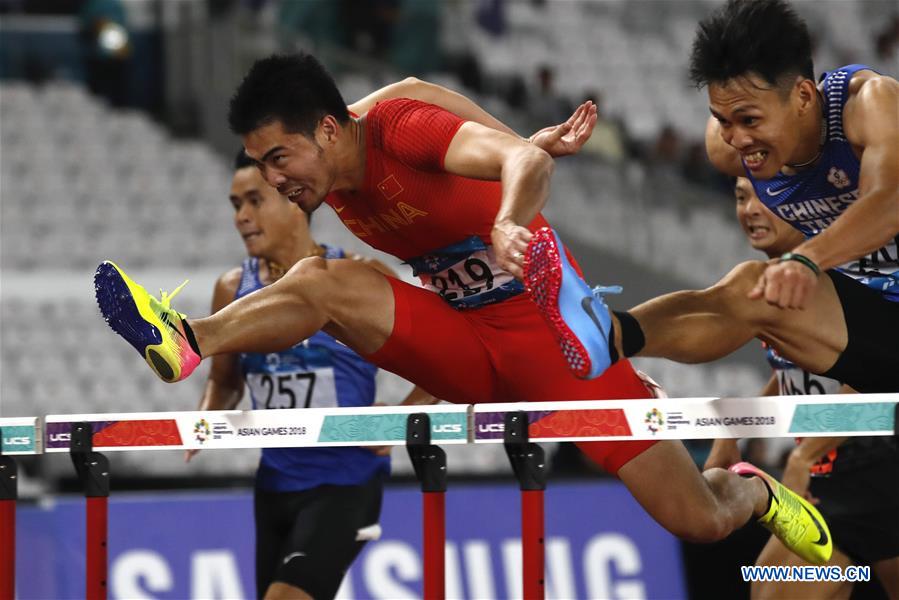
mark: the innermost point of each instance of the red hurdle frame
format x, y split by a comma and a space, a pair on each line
529, 465
8, 494
429, 462
93, 471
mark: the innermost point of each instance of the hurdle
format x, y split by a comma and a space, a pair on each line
93, 472
519, 425
8, 495
529, 466
18, 436
429, 462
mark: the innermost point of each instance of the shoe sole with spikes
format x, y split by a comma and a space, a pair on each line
579, 321
150, 326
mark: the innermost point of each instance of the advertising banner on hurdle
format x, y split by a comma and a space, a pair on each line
599, 544
694, 418
382, 425
23, 435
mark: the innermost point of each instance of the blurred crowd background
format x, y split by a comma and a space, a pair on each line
114, 144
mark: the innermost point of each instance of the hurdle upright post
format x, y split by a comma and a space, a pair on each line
93, 471
429, 462
529, 465
9, 493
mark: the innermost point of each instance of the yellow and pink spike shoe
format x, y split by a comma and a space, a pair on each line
155, 330
791, 518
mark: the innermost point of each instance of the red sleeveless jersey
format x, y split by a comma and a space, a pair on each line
409, 205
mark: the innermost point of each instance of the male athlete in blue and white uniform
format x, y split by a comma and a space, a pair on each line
852, 480
314, 507
823, 158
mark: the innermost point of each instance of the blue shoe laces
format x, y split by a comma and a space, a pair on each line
601, 290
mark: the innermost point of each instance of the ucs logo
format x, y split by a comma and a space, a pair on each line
491, 428
447, 428
16, 441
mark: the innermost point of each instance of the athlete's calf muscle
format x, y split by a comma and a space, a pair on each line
346, 298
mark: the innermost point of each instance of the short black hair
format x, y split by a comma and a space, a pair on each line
762, 37
242, 161
294, 89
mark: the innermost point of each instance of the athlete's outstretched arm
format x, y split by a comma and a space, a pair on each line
524, 170
558, 140
871, 122
445, 98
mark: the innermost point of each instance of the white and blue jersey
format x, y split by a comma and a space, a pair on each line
795, 381
317, 372
813, 199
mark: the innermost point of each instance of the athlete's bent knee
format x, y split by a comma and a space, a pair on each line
743, 277
308, 274
731, 293
309, 266
312, 282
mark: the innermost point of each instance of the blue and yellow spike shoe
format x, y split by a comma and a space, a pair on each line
577, 315
155, 330
792, 519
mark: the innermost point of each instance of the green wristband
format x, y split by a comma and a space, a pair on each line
805, 260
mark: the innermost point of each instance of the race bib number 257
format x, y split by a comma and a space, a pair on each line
293, 389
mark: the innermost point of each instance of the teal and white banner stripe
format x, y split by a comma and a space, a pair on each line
599, 420
22, 435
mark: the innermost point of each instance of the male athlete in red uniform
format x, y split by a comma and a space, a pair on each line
447, 196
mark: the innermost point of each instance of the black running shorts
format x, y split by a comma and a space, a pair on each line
861, 507
309, 539
870, 362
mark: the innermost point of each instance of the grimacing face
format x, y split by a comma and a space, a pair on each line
292, 163
764, 230
263, 217
760, 122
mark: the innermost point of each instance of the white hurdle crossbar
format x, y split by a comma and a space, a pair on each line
695, 418
602, 420
589, 420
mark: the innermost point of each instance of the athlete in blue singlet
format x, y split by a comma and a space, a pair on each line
811, 199
315, 508
825, 158
853, 480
